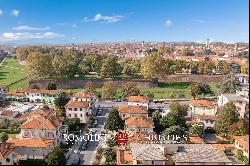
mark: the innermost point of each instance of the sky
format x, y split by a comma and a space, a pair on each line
81, 21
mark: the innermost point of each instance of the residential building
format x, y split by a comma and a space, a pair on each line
138, 101
84, 96
207, 120
16, 95
78, 109
241, 102
42, 124
139, 124
6, 114
8, 156
33, 95
202, 107
132, 111
41, 95
39, 133
242, 142
32, 148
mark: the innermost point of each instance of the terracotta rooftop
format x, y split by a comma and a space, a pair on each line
8, 113
202, 103
31, 142
42, 91
84, 95
123, 108
78, 104
5, 149
243, 141
139, 122
195, 139
142, 99
40, 119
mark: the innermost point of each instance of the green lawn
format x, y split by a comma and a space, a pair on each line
164, 90
11, 71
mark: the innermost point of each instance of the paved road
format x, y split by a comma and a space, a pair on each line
165, 105
88, 156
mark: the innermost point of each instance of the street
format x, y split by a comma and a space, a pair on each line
88, 156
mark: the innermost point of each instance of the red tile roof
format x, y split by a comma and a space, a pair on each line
31, 142
84, 95
243, 141
202, 103
139, 122
142, 99
77, 104
123, 108
5, 149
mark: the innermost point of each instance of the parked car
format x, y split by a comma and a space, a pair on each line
95, 122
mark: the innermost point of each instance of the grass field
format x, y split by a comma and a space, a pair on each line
165, 90
11, 71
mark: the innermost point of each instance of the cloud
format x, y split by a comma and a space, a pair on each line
29, 28
107, 19
168, 23
1, 12
15, 12
27, 35
199, 21
74, 25
62, 23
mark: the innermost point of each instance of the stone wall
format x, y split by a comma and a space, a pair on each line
193, 78
69, 84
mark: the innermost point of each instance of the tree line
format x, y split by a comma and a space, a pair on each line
52, 63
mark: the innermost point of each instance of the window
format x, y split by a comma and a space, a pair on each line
75, 109
80, 109
75, 115
70, 109
80, 115
69, 115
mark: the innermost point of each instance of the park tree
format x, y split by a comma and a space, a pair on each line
3, 137
89, 87
245, 68
114, 121
111, 143
34, 86
39, 66
56, 157
205, 89
109, 154
110, 67
61, 64
109, 90
230, 84
197, 129
226, 68
194, 89
51, 86
172, 120
238, 128
226, 116
178, 110
153, 66
156, 116
174, 130
61, 101
131, 67
130, 89
73, 123
150, 95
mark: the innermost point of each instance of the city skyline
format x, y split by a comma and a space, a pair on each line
55, 22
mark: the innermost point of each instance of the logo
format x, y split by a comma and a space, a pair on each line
122, 138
